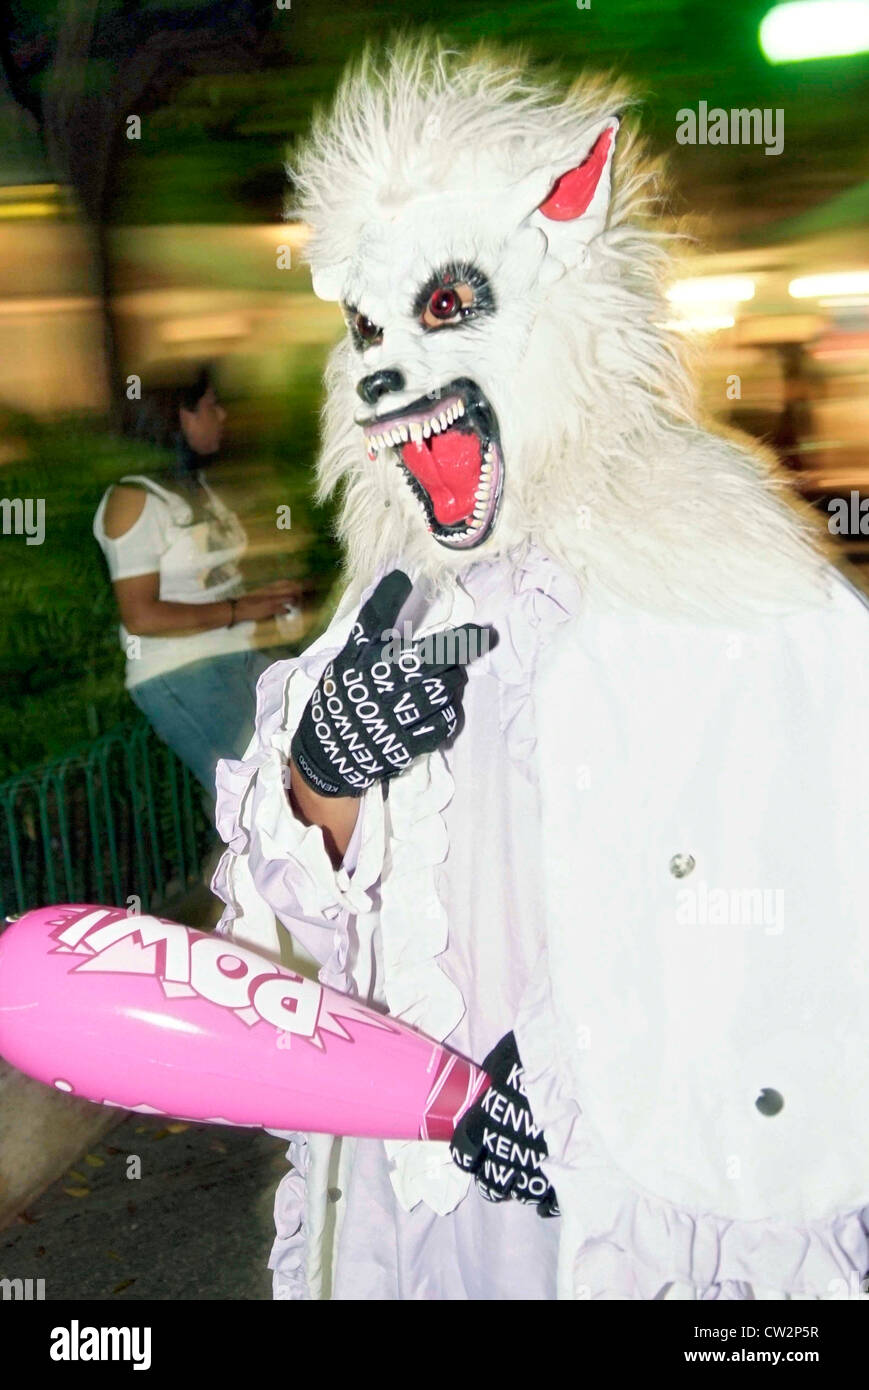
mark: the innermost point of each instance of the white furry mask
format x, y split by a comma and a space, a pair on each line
508, 376
440, 295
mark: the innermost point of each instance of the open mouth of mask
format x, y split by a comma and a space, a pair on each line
448, 448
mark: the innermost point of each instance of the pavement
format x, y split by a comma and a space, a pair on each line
194, 1224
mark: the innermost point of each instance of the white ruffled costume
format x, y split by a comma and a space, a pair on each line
503, 884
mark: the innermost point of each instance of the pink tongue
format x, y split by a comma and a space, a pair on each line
449, 471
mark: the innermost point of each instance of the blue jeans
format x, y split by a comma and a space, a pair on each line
205, 711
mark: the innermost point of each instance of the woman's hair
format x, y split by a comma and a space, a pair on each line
165, 388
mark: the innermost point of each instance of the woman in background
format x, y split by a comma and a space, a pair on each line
172, 549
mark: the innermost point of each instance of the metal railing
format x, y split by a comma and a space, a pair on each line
117, 818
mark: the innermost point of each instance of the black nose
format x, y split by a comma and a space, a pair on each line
372, 387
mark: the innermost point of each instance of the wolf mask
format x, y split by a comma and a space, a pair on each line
508, 376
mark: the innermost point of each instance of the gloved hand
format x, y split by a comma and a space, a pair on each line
374, 711
497, 1140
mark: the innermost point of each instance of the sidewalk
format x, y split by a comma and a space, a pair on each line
197, 1224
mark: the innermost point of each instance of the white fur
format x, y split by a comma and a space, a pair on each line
428, 155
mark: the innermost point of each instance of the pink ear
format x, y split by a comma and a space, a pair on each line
574, 190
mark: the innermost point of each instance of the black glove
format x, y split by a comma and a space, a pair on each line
497, 1140
374, 711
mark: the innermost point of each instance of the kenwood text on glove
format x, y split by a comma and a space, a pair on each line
373, 711
497, 1140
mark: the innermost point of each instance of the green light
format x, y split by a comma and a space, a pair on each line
815, 29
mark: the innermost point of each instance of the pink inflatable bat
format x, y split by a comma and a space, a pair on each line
145, 1014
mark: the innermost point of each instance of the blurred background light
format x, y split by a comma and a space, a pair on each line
815, 29
29, 200
206, 327
712, 289
702, 322
840, 284
707, 303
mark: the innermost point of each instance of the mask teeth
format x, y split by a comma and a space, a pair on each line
420, 425
415, 427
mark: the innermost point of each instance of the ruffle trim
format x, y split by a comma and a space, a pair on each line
253, 792
415, 927
544, 597
288, 1257
620, 1242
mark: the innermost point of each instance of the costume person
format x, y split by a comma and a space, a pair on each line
622, 841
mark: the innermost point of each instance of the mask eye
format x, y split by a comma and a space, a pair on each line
456, 293
363, 329
448, 303
367, 330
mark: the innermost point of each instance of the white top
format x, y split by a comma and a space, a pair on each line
197, 563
